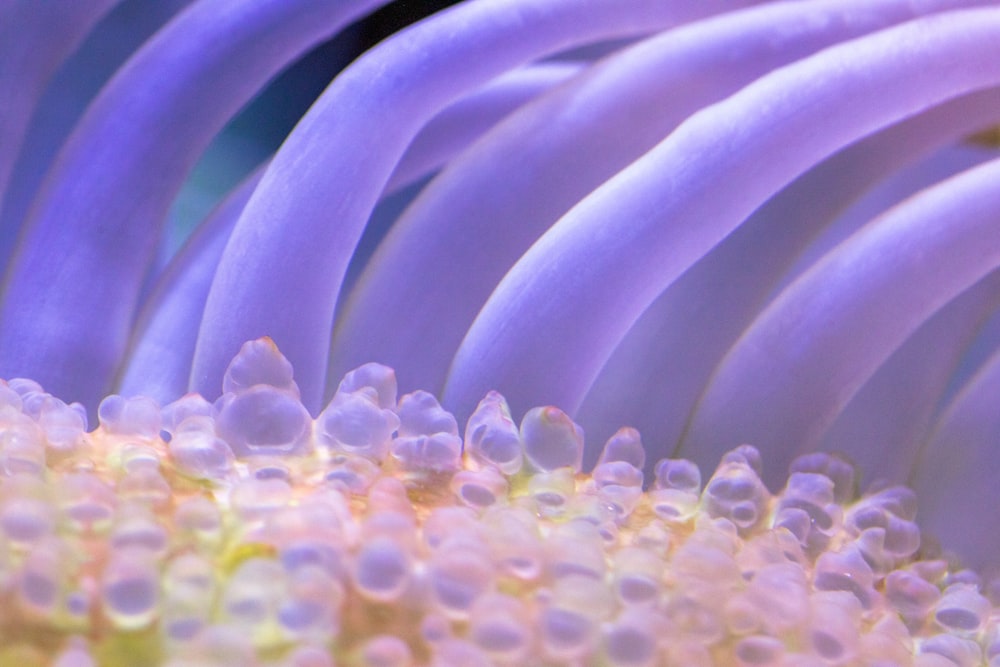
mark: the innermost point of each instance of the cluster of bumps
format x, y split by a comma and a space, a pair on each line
245, 532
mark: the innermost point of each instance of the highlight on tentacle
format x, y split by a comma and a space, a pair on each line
574, 294
952, 154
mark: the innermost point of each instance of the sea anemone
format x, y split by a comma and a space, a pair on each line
716, 223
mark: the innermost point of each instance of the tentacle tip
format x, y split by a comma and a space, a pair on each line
301, 544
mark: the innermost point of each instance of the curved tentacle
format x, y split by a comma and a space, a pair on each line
662, 365
986, 342
807, 354
951, 159
463, 122
956, 472
68, 328
61, 105
428, 280
883, 426
159, 359
35, 38
371, 118
593, 279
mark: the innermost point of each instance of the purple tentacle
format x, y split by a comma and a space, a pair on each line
116, 177
883, 426
910, 179
159, 361
163, 339
35, 38
657, 372
286, 260
557, 315
428, 280
885, 422
70, 89
807, 354
956, 473
463, 122
979, 351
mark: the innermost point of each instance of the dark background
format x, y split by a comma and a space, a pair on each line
279, 107
251, 137
259, 129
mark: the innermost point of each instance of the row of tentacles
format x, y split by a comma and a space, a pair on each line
378, 535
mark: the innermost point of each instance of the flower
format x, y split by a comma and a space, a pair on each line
719, 222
